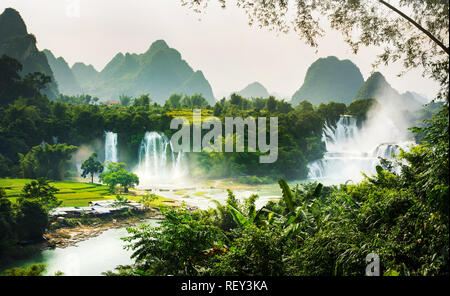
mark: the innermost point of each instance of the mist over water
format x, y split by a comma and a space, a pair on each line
158, 163
110, 147
352, 150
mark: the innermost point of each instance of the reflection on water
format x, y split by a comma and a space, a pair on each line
105, 252
89, 257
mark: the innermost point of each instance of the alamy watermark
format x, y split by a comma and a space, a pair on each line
214, 139
373, 266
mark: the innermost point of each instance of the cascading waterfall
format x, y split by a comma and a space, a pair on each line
158, 163
110, 147
351, 150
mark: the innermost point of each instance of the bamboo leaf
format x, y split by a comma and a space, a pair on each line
238, 217
287, 194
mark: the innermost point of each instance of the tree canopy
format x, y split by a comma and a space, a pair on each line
116, 174
91, 166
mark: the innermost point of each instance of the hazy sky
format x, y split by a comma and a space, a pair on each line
230, 53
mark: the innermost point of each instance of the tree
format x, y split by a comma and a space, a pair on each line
305, 106
143, 100
46, 160
33, 270
176, 247
7, 223
174, 101
9, 79
360, 108
271, 104
194, 101
12, 86
91, 166
125, 100
32, 220
42, 192
116, 174
420, 39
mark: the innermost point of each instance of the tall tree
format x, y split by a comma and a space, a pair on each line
91, 166
41, 192
125, 100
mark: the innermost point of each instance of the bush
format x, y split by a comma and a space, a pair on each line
33, 270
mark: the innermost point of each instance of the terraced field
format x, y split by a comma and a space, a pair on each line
72, 194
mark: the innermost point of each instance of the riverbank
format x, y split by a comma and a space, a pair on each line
81, 229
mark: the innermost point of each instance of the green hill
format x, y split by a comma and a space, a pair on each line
330, 79
15, 42
377, 87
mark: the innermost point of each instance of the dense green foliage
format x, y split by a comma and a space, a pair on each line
46, 160
315, 230
33, 270
312, 230
26, 220
41, 192
116, 174
27, 119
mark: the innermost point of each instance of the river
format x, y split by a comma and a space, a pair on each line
106, 251
87, 258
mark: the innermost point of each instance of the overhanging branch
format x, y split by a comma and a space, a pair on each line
418, 26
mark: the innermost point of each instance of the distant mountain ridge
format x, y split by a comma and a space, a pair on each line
160, 72
330, 79
377, 87
254, 90
84, 74
15, 42
67, 82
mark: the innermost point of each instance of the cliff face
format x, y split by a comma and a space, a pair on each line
67, 83
18, 44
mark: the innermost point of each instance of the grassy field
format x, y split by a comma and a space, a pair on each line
72, 194
187, 113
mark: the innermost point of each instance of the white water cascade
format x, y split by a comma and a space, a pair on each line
110, 147
158, 163
352, 150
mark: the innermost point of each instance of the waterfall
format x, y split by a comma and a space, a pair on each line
110, 147
386, 150
157, 162
351, 150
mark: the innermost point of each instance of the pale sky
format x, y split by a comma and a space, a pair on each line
230, 53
